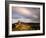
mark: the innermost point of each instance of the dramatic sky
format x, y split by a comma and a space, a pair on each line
32, 14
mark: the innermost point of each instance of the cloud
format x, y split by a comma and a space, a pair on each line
32, 14
23, 11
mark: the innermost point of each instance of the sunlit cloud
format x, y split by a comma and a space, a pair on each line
23, 11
